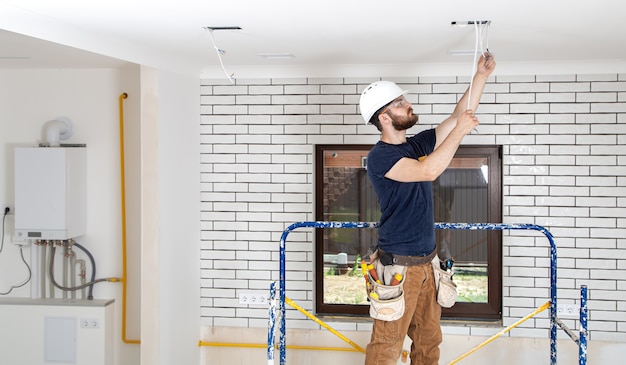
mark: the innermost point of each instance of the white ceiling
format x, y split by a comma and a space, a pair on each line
325, 36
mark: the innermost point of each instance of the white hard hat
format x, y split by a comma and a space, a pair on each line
376, 95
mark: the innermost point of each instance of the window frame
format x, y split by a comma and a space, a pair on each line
490, 310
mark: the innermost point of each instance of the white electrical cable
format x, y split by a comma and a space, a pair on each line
487, 38
30, 273
220, 52
469, 94
481, 28
478, 46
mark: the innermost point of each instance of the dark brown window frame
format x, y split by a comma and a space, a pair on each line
492, 309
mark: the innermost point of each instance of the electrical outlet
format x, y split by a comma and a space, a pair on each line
90, 323
10, 206
568, 310
252, 299
20, 242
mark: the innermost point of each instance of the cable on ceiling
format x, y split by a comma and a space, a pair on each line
220, 52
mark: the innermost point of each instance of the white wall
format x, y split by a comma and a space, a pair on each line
29, 98
90, 99
179, 215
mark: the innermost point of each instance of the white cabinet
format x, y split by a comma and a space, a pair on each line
56, 331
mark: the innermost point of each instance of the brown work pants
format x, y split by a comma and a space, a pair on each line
420, 322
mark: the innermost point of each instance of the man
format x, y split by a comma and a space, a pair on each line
401, 171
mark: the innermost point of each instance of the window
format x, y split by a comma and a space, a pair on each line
469, 191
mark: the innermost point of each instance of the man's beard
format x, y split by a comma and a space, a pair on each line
404, 122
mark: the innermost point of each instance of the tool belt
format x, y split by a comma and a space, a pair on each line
387, 258
446, 288
385, 290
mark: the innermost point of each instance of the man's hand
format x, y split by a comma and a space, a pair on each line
486, 64
467, 121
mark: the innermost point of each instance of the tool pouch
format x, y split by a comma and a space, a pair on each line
446, 288
387, 301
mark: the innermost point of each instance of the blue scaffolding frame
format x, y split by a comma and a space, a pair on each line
554, 320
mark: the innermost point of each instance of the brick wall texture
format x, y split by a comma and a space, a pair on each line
564, 168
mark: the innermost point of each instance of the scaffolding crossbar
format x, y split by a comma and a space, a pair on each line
554, 322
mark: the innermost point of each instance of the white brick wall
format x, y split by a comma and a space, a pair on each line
563, 138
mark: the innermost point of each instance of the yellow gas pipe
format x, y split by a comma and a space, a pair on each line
261, 345
356, 348
123, 197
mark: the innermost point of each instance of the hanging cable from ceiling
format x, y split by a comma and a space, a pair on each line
220, 52
481, 47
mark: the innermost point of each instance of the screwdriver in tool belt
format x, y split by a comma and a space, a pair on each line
373, 273
364, 269
397, 278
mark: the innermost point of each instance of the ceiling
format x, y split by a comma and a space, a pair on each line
325, 37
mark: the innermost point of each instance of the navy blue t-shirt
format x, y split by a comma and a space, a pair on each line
407, 225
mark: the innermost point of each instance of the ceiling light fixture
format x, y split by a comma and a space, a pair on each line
233, 27
275, 56
481, 27
466, 23
461, 52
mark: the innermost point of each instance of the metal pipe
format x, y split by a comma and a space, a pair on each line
568, 331
54, 282
582, 349
68, 269
64, 271
271, 324
43, 271
93, 269
72, 274
83, 276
